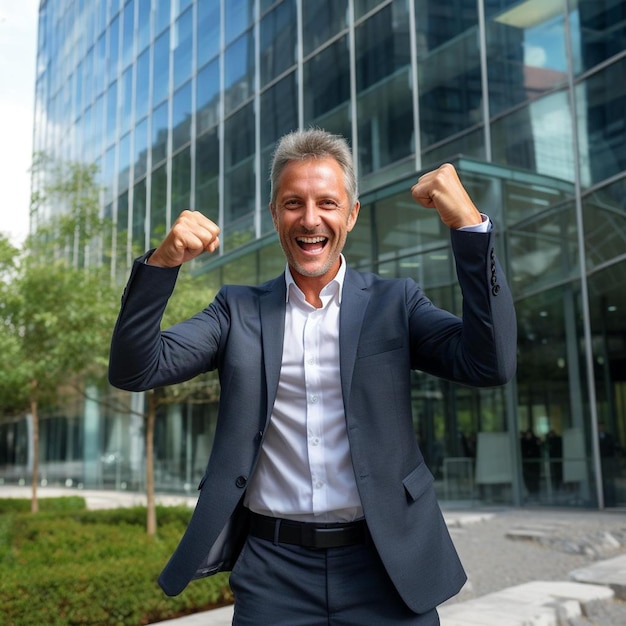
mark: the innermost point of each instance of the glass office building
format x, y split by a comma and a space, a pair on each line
180, 102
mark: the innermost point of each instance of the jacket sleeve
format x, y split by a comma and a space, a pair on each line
479, 349
142, 355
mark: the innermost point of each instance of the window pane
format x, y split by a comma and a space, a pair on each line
181, 117
126, 97
162, 15
123, 166
208, 30
605, 225
128, 33
141, 148
527, 57
239, 179
385, 104
161, 68
158, 205
207, 174
450, 89
143, 24
159, 133
183, 47
440, 22
601, 103
139, 218
326, 81
239, 71
537, 138
598, 32
111, 126
142, 85
321, 20
238, 16
208, 96
181, 181
278, 41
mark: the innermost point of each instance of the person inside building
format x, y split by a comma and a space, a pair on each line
316, 494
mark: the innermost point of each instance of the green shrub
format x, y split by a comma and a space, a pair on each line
21, 505
94, 567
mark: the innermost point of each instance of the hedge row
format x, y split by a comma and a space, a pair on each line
68, 567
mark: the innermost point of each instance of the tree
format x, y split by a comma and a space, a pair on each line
57, 314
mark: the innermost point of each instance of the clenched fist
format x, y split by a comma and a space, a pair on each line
191, 235
442, 190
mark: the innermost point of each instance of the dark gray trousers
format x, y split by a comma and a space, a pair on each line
280, 584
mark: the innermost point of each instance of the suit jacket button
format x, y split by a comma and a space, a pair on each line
241, 481
495, 290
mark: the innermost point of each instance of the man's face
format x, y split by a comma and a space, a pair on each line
313, 216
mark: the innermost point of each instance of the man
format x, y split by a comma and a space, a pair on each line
315, 468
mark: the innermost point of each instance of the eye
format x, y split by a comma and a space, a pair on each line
292, 203
328, 203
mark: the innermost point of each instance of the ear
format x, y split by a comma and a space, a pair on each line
354, 214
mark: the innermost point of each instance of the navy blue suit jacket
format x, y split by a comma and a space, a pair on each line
387, 329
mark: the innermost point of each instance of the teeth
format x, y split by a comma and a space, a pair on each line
311, 239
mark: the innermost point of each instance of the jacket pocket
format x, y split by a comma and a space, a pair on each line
378, 346
418, 481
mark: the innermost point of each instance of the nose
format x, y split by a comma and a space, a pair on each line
310, 216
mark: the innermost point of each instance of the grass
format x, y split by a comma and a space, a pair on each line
67, 565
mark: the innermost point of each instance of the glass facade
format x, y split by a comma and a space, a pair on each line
179, 103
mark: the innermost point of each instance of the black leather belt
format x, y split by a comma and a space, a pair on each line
308, 535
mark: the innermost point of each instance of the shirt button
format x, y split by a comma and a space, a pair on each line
315, 441
319, 484
314, 399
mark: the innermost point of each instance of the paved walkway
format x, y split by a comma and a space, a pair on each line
539, 603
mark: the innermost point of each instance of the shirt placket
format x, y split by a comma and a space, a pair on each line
315, 411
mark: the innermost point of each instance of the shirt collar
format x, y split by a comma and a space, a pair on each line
336, 283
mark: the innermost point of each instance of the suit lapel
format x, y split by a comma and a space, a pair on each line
272, 311
354, 302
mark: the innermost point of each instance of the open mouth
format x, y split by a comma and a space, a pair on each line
312, 244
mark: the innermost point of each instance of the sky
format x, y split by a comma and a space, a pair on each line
18, 48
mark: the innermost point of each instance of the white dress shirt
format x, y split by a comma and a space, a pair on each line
305, 471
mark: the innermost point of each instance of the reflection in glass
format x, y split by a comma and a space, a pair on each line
161, 68
158, 205
238, 15
601, 103
208, 97
159, 133
526, 55
450, 89
208, 30
552, 399
239, 179
239, 71
181, 181
327, 82
598, 32
141, 149
207, 172
182, 34
537, 138
608, 326
142, 85
605, 225
321, 20
385, 105
181, 117
544, 249
278, 41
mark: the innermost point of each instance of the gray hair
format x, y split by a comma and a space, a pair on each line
314, 143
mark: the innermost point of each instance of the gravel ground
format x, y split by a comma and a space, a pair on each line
518, 546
